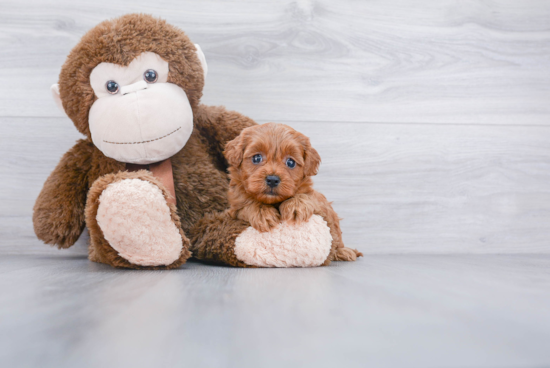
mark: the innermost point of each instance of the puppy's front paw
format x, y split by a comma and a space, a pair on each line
297, 209
266, 218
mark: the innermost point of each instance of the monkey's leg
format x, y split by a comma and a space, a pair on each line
133, 224
219, 238
213, 239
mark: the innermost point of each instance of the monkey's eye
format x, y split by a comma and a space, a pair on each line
112, 87
290, 163
150, 76
256, 159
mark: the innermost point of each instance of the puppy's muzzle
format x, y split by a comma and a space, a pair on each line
272, 181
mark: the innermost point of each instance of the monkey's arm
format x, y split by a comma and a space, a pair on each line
219, 126
58, 216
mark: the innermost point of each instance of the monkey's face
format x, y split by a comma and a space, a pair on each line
138, 116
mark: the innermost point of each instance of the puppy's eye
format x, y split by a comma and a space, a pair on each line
112, 87
290, 163
150, 76
256, 159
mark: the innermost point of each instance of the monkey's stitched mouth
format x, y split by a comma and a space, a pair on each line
151, 140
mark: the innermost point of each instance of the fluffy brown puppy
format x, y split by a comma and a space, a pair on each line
271, 166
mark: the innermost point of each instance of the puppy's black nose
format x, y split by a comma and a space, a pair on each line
272, 181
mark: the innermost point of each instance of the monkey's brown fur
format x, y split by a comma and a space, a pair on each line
213, 238
199, 169
293, 199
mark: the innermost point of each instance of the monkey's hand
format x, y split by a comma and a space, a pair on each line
58, 216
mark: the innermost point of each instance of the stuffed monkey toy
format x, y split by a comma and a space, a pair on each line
149, 179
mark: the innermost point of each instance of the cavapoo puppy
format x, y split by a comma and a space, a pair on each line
271, 166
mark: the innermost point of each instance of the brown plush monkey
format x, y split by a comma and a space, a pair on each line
151, 164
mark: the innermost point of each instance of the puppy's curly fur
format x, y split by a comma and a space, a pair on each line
278, 155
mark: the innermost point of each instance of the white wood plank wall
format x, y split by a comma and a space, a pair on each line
432, 117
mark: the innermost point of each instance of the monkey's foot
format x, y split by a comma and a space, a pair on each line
306, 244
132, 224
219, 238
135, 220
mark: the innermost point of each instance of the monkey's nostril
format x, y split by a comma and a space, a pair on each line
272, 181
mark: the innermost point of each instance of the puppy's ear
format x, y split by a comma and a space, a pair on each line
234, 151
312, 160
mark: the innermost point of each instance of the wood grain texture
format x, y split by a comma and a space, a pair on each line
384, 311
400, 188
431, 117
475, 62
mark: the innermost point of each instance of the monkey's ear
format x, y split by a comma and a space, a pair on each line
202, 59
234, 151
56, 97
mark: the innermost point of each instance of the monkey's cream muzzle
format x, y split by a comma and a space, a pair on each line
143, 126
133, 87
142, 122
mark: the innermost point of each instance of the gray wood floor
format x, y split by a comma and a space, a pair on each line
433, 121
384, 311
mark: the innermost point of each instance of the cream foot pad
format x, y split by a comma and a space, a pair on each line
135, 220
304, 245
